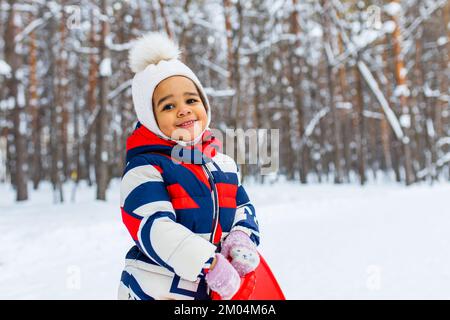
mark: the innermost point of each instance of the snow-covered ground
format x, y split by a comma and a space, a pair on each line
382, 241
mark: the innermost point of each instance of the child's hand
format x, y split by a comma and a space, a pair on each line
242, 251
223, 278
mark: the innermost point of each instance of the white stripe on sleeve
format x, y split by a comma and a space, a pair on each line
135, 177
150, 208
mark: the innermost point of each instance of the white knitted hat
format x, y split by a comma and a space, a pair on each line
154, 57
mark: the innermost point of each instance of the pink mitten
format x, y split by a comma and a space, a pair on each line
223, 278
242, 251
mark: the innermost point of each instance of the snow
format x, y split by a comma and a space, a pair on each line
373, 115
443, 160
443, 141
23, 124
314, 121
105, 67
402, 90
117, 6
405, 120
219, 93
441, 41
7, 104
5, 69
393, 8
344, 105
316, 32
365, 37
275, 7
382, 241
430, 93
430, 128
21, 100
389, 26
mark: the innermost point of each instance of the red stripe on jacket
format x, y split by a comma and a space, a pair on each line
227, 194
131, 223
180, 198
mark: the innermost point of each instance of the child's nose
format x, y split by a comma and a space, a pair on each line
185, 110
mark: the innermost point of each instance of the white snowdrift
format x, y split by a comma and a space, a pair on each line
322, 241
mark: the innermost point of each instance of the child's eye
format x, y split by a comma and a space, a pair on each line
167, 107
189, 101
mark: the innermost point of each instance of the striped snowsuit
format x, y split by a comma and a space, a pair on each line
177, 211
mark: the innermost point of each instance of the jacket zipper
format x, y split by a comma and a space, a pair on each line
215, 202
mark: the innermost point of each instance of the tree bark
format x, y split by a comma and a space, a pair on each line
36, 127
400, 76
12, 59
360, 125
103, 117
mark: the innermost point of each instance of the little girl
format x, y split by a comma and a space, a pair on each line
181, 198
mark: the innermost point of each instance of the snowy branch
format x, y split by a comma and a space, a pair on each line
33, 26
19, 7
84, 50
425, 15
223, 72
124, 86
117, 47
390, 115
206, 24
309, 129
443, 160
269, 43
220, 93
373, 115
443, 141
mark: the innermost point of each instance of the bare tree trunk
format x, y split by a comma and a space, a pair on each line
55, 138
234, 117
443, 76
230, 56
295, 79
186, 30
36, 158
78, 143
346, 116
12, 83
400, 77
62, 94
336, 125
360, 127
165, 19
384, 126
324, 136
236, 73
90, 104
429, 135
103, 116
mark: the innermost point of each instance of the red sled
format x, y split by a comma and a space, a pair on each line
257, 285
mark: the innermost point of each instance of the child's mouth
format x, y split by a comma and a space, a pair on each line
187, 124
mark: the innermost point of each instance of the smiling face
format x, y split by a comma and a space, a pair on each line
178, 108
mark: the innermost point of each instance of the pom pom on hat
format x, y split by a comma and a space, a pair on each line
150, 49
153, 58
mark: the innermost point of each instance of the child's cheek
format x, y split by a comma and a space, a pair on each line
166, 124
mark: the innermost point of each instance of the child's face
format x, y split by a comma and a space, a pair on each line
176, 103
